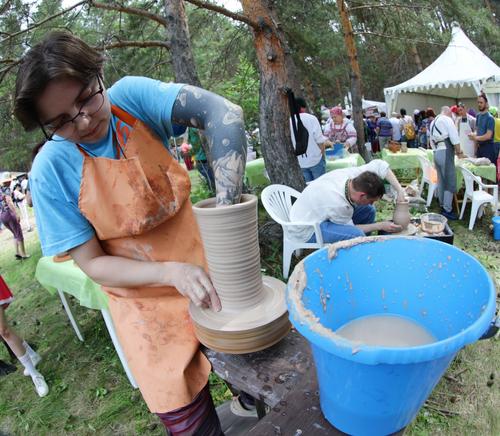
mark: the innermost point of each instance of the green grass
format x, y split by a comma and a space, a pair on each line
90, 393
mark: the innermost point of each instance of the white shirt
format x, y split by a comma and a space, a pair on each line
24, 184
344, 133
396, 128
313, 154
324, 198
446, 126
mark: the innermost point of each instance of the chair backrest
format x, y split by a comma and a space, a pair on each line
428, 169
469, 180
277, 200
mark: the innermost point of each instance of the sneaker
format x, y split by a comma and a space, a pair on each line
452, 216
41, 387
239, 410
35, 360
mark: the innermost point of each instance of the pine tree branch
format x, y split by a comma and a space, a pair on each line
130, 10
39, 23
381, 35
139, 44
224, 11
5, 71
354, 8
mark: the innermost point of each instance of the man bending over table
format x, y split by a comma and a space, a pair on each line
342, 201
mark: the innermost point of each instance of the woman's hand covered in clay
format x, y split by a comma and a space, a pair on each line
194, 283
389, 227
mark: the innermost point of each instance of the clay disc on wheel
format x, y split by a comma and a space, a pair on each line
248, 330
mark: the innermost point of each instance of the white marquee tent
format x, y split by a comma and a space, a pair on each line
459, 74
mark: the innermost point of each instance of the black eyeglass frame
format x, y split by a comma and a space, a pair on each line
49, 137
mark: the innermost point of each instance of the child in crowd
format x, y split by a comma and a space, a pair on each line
26, 355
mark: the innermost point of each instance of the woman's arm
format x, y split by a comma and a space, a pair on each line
222, 123
120, 272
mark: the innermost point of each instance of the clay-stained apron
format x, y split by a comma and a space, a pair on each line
140, 209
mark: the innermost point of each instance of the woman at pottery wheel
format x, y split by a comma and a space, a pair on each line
123, 210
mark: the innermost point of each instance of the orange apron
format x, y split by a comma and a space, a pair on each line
140, 209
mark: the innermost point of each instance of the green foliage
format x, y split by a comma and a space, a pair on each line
243, 89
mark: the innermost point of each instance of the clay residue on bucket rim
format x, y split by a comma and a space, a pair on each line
298, 282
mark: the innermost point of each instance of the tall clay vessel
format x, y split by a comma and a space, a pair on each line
402, 214
253, 315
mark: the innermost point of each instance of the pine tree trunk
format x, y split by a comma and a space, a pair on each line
181, 55
355, 75
416, 57
270, 46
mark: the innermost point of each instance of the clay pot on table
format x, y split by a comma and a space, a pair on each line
254, 314
401, 215
394, 146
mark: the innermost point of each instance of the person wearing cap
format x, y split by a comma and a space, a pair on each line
445, 143
465, 124
312, 162
340, 130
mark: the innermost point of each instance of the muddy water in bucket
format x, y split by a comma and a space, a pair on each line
386, 331
378, 389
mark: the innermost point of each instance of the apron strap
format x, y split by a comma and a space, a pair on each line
122, 131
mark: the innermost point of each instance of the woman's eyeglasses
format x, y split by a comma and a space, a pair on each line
65, 126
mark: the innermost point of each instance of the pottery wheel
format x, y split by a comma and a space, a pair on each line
409, 231
245, 331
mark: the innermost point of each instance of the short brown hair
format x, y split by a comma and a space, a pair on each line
369, 183
59, 55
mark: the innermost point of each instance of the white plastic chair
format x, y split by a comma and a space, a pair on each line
427, 171
479, 197
277, 200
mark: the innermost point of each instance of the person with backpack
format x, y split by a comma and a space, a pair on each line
312, 161
408, 129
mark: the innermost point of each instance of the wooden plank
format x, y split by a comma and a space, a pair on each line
268, 375
298, 414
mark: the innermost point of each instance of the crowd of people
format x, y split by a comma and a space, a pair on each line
14, 201
478, 132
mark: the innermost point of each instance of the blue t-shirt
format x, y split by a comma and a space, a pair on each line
485, 122
385, 127
56, 174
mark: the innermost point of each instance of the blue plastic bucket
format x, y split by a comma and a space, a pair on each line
496, 228
368, 390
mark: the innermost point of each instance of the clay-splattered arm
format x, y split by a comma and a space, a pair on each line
223, 126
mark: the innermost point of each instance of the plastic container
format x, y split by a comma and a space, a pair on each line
337, 152
368, 390
433, 222
496, 228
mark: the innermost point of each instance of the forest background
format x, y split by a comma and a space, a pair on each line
248, 56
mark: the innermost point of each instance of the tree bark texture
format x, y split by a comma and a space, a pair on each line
356, 88
416, 57
279, 156
181, 55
